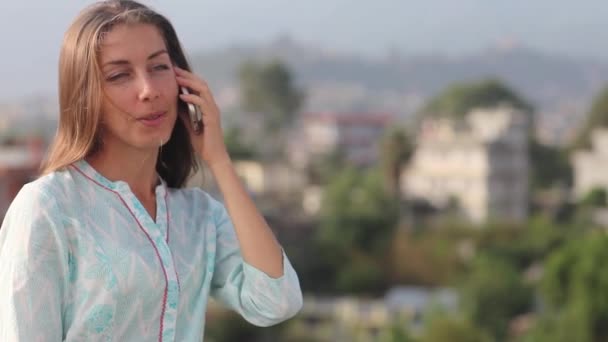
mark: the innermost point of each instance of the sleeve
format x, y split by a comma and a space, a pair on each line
259, 298
33, 264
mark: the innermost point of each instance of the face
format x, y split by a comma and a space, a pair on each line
139, 107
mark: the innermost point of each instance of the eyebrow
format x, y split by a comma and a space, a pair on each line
123, 61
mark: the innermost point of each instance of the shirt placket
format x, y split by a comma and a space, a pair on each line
158, 235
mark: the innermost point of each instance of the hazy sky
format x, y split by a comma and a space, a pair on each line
31, 31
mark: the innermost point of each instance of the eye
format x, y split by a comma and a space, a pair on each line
161, 67
116, 77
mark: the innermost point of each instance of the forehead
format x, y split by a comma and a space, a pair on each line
130, 42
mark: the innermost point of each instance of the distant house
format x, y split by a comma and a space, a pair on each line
260, 178
479, 164
350, 318
357, 135
269, 178
19, 164
590, 165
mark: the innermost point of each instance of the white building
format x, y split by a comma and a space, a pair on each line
357, 135
275, 178
590, 165
481, 162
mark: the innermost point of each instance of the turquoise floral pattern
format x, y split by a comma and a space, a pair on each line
99, 319
106, 266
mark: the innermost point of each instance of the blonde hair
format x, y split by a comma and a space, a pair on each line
80, 89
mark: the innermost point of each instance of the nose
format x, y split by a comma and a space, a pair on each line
148, 90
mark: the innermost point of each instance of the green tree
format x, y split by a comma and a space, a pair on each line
523, 245
456, 101
551, 166
597, 117
357, 221
357, 212
585, 210
237, 149
230, 327
396, 332
453, 330
555, 328
574, 290
322, 168
360, 273
427, 258
396, 150
269, 88
595, 198
493, 293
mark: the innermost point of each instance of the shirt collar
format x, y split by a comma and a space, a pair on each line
89, 171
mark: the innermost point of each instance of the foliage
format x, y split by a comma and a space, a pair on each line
493, 293
550, 166
324, 167
236, 148
595, 198
357, 213
456, 101
453, 330
596, 117
428, 259
396, 150
574, 288
269, 88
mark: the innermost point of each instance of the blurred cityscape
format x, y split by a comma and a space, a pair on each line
419, 198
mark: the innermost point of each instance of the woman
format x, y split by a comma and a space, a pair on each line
108, 244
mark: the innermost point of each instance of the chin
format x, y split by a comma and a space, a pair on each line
151, 141
161, 140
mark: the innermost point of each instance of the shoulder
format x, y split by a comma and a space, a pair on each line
195, 200
54, 188
35, 217
33, 228
39, 197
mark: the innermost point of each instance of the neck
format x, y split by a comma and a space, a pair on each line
135, 167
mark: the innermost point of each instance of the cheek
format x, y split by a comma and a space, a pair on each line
169, 86
172, 97
120, 99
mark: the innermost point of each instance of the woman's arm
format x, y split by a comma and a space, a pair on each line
251, 272
33, 269
259, 246
258, 297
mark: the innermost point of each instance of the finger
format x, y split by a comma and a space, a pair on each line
195, 100
194, 84
192, 98
181, 71
189, 75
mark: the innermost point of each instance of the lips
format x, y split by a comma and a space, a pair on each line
153, 119
152, 116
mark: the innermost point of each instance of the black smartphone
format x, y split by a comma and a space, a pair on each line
196, 118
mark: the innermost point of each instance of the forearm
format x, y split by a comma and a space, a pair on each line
259, 246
